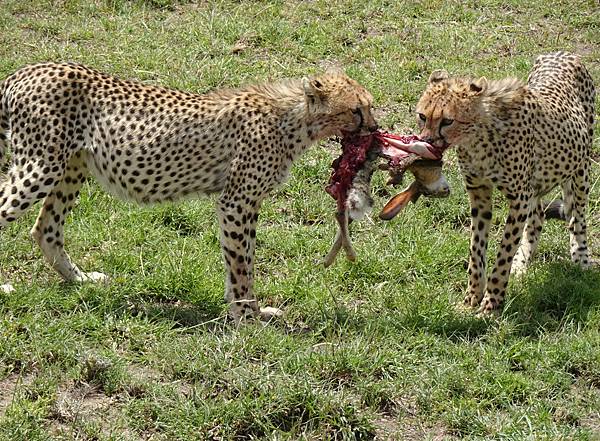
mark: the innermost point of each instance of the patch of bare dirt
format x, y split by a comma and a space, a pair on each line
586, 50
9, 387
409, 429
80, 405
83, 405
592, 423
399, 421
141, 376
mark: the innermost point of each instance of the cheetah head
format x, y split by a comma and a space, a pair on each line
337, 104
450, 109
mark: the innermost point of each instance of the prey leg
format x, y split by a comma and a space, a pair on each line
342, 240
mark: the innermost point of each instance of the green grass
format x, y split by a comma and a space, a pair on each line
369, 350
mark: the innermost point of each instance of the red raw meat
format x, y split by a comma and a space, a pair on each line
355, 149
406, 139
345, 167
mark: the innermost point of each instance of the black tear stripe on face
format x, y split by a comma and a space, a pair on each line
360, 114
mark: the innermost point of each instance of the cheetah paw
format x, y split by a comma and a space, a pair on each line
94, 277
518, 269
7, 288
487, 313
463, 308
270, 313
470, 302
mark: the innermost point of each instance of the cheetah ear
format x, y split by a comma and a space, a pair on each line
313, 89
478, 86
437, 76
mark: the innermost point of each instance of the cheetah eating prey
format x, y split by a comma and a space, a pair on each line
150, 144
524, 139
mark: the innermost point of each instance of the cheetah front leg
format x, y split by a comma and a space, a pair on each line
25, 183
481, 215
498, 280
237, 220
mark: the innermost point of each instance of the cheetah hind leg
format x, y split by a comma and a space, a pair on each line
571, 209
575, 193
530, 239
49, 227
555, 209
23, 186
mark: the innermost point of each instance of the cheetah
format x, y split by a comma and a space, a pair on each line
149, 144
523, 139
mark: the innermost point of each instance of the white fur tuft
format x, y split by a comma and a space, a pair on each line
359, 204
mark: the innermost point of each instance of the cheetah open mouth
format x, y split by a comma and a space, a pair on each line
439, 151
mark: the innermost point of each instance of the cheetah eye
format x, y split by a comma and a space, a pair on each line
422, 117
446, 122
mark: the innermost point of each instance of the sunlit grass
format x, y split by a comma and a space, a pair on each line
372, 349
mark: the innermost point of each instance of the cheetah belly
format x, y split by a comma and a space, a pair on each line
144, 179
554, 170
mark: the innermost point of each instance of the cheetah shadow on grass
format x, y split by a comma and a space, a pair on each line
552, 294
442, 320
546, 297
543, 299
183, 314
180, 307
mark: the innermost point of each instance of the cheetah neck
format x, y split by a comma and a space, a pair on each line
502, 98
284, 105
492, 132
286, 100
494, 114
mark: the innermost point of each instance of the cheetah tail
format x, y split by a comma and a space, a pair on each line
555, 210
4, 124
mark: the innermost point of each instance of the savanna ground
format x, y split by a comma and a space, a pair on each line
367, 350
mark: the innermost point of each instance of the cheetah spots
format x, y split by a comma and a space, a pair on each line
150, 144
